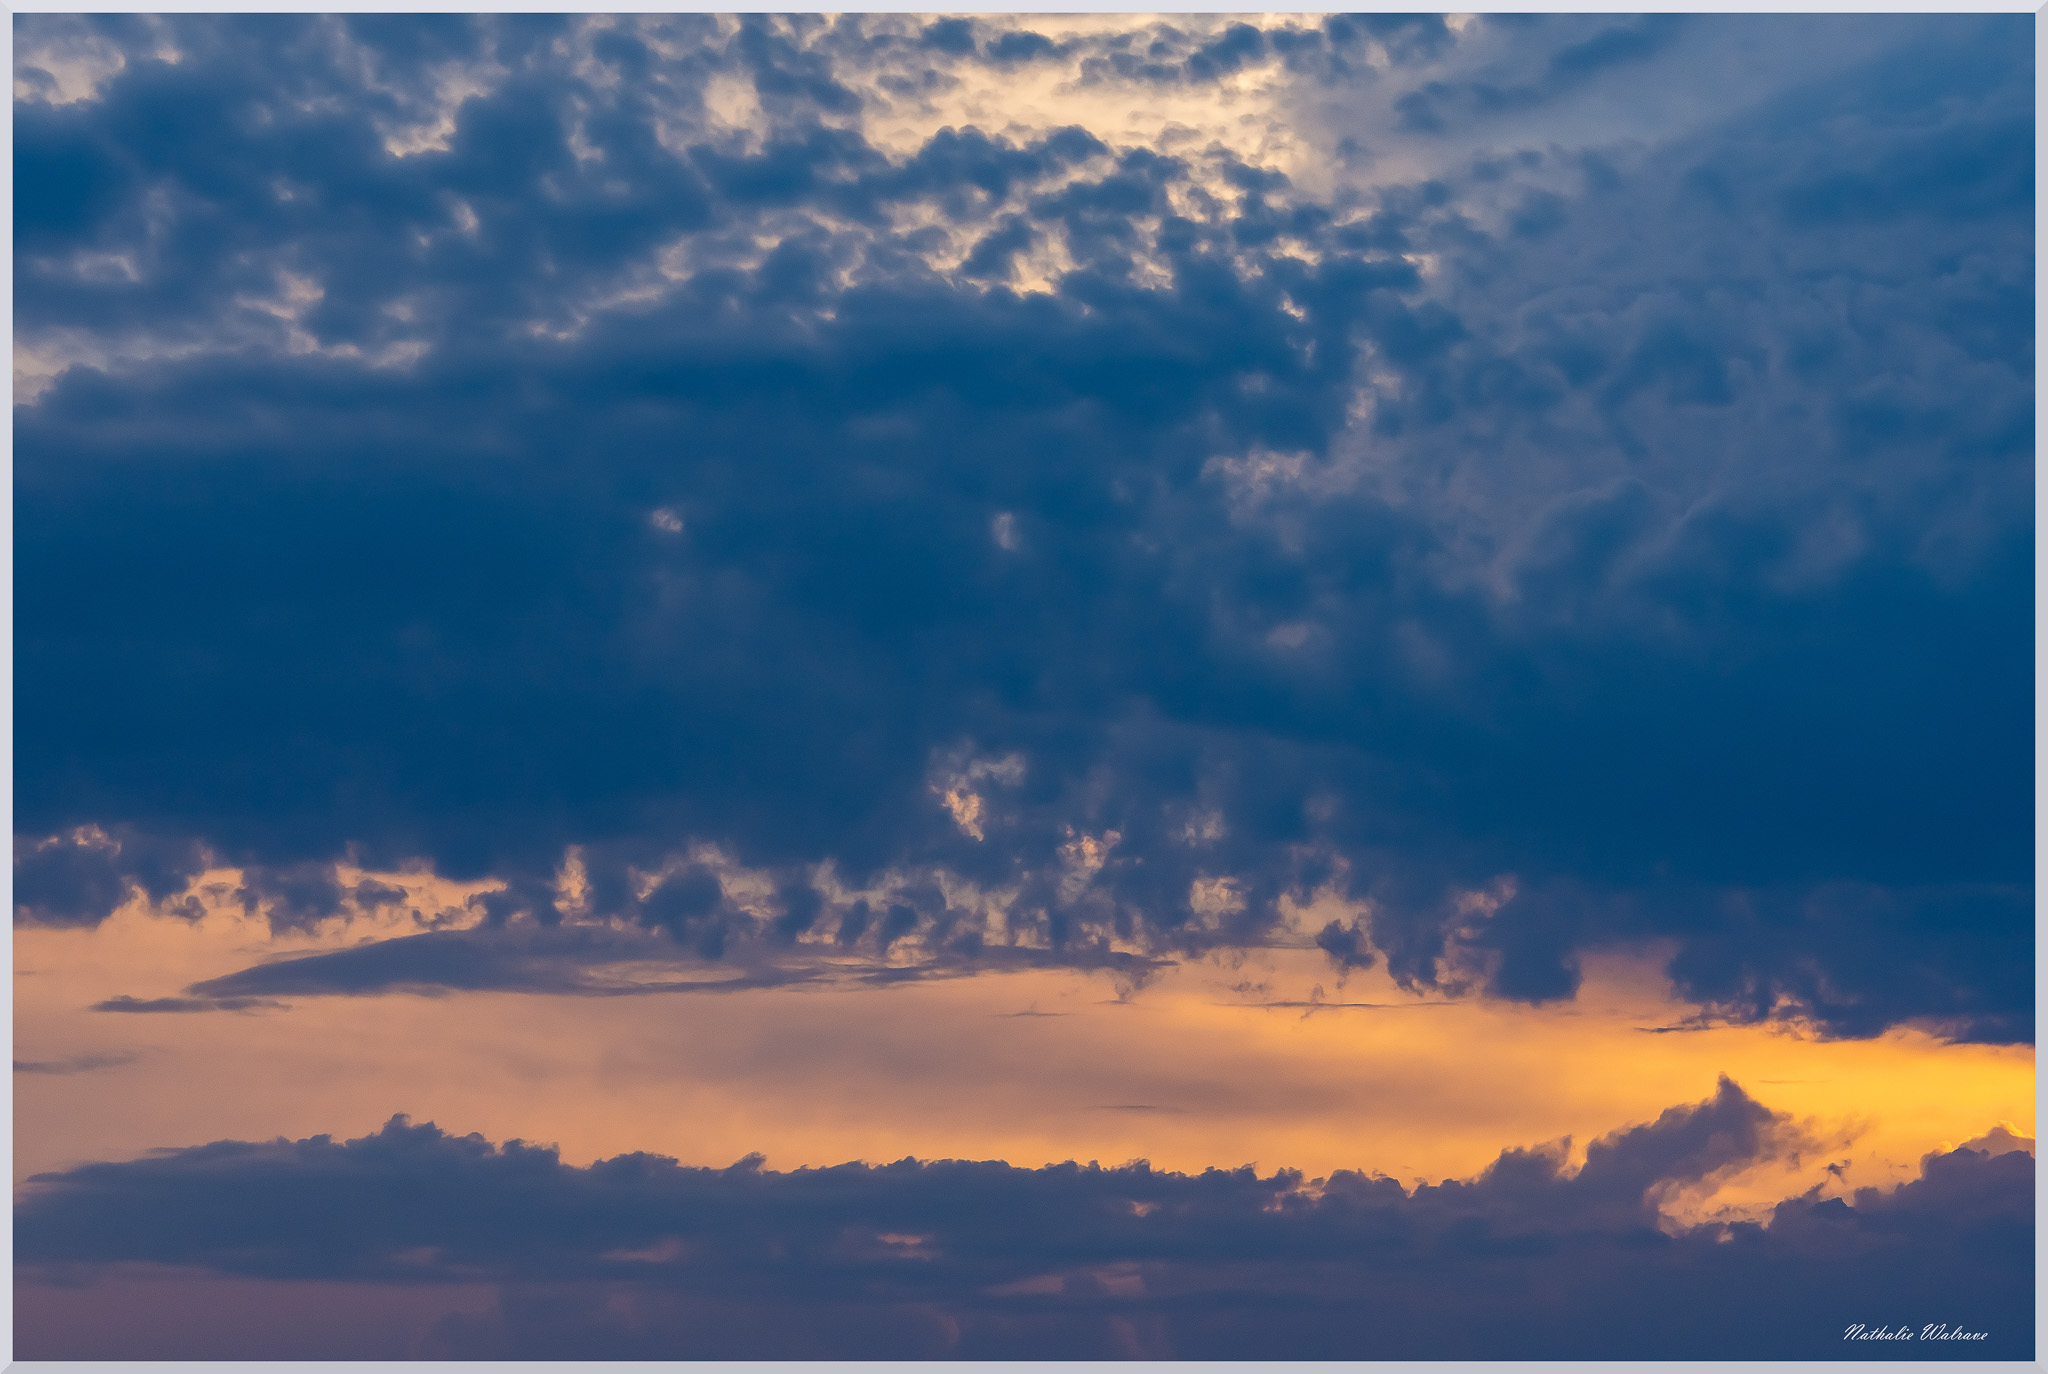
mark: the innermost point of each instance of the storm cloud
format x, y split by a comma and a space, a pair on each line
531, 445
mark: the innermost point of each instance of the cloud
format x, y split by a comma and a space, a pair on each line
1074, 1258
78, 879
2000, 1140
150, 1005
1432, 107
83, 1063
601, 961
1633, 516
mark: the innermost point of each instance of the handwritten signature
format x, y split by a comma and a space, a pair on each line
1933, 1331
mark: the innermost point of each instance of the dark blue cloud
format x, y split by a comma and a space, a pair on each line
76, 879
1645, 527
968, 1259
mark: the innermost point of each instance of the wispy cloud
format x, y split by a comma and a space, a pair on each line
84, 1063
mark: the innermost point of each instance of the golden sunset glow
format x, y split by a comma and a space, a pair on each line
1199, 1067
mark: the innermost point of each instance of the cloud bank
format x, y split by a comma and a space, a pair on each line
1531, 1259
1051, 487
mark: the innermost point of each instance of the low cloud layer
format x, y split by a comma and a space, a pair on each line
1549, 483
1531, 1259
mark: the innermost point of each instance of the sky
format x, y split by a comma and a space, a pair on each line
1023, 687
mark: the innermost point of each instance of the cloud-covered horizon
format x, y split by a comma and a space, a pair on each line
626, 1258
993, 487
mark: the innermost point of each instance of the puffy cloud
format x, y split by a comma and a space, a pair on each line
478, 441
1529, 1259
80, 877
